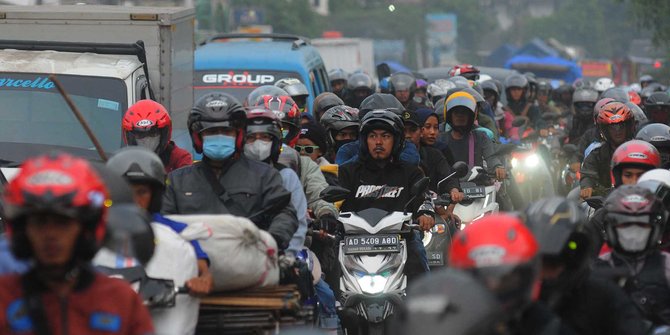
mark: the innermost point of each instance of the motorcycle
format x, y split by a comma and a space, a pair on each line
479, 197
372, 257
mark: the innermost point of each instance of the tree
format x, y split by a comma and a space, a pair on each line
653, 15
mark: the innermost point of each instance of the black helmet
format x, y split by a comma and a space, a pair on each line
381, 101
361, 81
324, 102
490, 86
616, 93
634, 220
387, 120
338, 118
141, 166
657, 107
558, 224
255, 96
129, 233
402, 81
649, 90
658, 135
337, 74
449, 300
658, 99
215, 110
544, 87
583, 101
566, 90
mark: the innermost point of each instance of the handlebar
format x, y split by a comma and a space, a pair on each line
182, 290
321, 234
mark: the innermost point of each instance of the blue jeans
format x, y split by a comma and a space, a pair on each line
328, 314
417, 258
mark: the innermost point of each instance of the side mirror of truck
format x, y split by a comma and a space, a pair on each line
334, 193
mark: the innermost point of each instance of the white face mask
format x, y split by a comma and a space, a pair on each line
633, 238
150, 142
259, 150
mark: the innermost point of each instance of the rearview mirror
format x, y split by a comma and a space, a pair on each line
461, 169
334, 193
420, 186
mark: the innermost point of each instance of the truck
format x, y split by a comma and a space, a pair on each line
349, 54
105, 57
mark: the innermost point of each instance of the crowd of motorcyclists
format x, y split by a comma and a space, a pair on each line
587, 256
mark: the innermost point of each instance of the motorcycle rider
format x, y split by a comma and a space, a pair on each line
616, 125
338, 82
466, 71
56, 210
544, 102
562, 97
147, 124
433, 164
502, 254
296, 90
341, 123
324, 102
360, 86
657, 108
226, 182
467, 145
583, 103
634, 225
517, 92
379, 179
585, 302
190, 263
659, 136
402, 85
646, 80
603, 84
313, 143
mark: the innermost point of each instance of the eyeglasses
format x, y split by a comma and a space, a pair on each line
308, 149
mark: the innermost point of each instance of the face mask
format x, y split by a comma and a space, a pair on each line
218, 147
149, 142
633, 238
259, 150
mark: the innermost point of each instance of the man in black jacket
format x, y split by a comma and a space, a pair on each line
378, 179
225, 182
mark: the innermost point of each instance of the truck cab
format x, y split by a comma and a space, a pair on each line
101, 86
239, 63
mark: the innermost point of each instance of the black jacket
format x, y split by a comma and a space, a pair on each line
596, 168
372, 186
435, 166
248, 189
598, 306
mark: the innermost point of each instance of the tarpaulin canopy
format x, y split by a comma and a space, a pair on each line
549, 67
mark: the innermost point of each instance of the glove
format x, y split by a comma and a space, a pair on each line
329, 223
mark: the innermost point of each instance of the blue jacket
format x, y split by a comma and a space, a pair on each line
349, 153
299, 202
179, 227
9, 264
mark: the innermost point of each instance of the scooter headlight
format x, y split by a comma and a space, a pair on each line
515, 162
532, 161
373, 283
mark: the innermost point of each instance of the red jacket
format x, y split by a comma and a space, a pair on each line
178, 158
98, 305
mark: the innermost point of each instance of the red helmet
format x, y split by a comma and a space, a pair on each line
288, 113
598, 106
502, 252
465, 70
144, 119
60, 184
615, 114
634, 153
635, 98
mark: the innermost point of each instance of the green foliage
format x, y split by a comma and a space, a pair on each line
286, 16
653, 15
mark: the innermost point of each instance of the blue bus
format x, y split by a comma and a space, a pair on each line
238, 63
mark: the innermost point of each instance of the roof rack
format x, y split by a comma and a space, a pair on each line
298, 41
132, 49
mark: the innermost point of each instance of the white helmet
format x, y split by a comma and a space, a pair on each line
603, 84
440, 88
660, 175
483, 78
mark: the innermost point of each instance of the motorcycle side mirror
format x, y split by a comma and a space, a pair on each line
461, 169
129, 232
416, 190
334, 193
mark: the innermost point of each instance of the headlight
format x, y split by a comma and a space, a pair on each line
515, 162
532, 161
373, 284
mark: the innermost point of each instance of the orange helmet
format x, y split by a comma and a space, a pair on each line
615, 114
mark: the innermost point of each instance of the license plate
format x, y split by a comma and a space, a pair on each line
371, 244
475, 192
435, 258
